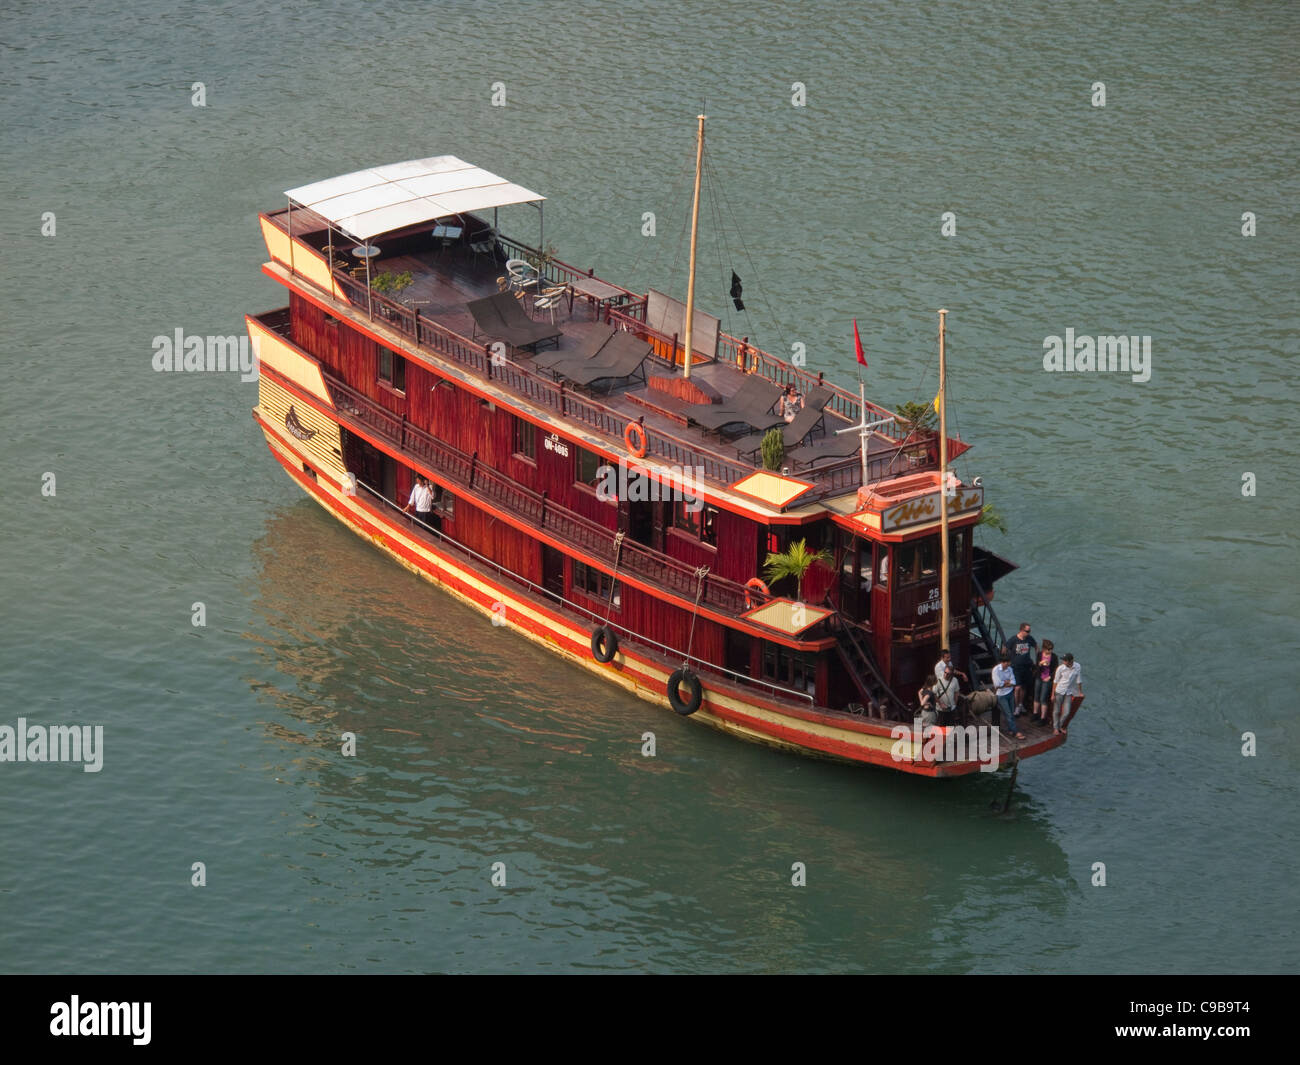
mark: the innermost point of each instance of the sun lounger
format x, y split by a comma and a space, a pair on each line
795, 432
751, 405
622, 356
588, 349
500, 315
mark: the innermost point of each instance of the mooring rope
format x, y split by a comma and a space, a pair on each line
700, 573
618, 554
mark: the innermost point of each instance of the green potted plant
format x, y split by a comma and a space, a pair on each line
391, 284
539, 261
773, 448
917, 422
989, 516
794, 561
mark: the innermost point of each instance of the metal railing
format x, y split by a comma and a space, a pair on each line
830, 479
466, 473
743, 679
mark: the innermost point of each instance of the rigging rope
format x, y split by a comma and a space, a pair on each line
700, 573
618, 554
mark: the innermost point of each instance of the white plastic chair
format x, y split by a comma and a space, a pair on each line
550, 298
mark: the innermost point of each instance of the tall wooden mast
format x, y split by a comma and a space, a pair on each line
695, 227
943, 490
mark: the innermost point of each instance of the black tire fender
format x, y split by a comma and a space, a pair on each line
604, 644
694, 687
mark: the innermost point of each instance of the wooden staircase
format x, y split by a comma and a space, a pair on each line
860, 664
987, 638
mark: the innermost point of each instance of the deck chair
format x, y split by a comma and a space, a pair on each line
622, 357
752, 402
499, 315
588, 349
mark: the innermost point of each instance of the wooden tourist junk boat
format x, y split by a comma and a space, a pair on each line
420, 341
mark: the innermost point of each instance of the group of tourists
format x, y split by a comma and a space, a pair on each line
1043, 683
1028, 680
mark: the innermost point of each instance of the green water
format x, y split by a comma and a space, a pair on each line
475, 747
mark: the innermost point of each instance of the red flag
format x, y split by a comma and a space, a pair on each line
857, 343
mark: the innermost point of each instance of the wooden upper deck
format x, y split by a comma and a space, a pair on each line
432, 314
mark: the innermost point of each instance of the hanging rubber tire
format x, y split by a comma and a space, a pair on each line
692, 682
604, 644
635, 439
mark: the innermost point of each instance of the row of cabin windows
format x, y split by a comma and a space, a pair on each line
700, 523
793, 669
596, 584
917, 560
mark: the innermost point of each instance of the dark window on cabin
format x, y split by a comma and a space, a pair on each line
793, 669
919, 560
525, 439
587, 466
686, 520
309, 471
957, 549
595, 583
444, 502
778, 538
699, 523
882, 566
392, 369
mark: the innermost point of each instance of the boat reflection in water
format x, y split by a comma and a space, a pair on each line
611, 856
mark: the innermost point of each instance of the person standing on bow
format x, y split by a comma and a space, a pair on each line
1004, 682
1067, 685
947, 686
1023, 649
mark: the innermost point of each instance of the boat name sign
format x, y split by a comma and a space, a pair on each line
926, 508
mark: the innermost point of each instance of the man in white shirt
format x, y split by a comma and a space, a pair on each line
421, 499
946, 688
1004, 683
1067, 685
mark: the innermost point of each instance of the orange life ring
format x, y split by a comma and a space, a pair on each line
637, 449
755, 585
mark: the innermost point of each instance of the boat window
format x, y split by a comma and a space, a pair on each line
882, 576
700, 523
587, 467
594, 583
525, 439
918, 560
794, 669
685, 519
957, 550
392, 369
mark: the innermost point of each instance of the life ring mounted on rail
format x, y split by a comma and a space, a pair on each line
637, 431
755, 585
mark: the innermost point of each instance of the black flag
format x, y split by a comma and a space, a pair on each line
736, 292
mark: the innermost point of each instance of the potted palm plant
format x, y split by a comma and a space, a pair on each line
917, 422
794, 561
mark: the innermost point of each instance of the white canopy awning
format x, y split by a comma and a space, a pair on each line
385, 198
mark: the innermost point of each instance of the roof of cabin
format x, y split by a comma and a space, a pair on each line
382, 199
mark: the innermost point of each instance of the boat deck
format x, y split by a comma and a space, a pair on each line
446, 280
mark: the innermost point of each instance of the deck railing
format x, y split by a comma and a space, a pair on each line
672, 653
535, 508
553, 395
828, 480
